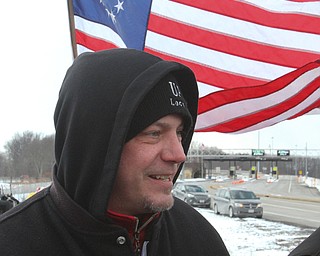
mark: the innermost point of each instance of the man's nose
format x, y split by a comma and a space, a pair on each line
174, 151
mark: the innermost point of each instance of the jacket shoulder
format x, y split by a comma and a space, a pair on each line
309, 247
187, 232
183, 213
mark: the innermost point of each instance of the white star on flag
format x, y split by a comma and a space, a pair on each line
119, 6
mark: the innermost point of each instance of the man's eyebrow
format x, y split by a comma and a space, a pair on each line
163, 124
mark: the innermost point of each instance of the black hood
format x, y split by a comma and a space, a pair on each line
97, 101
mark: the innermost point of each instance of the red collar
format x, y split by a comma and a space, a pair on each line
137, 226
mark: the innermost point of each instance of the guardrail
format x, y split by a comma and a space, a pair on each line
313, 182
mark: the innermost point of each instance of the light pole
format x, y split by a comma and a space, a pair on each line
306, 161
296, 162
258, 163
271, 153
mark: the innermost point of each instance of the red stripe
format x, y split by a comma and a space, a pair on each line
231, 45
220, 98
209, 75
92, 43
244, 11
308, 109
265, 114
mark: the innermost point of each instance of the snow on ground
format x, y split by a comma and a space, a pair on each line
242, 236
21, 191
256, 237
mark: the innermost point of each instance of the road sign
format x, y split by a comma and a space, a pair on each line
283, 152
257, 152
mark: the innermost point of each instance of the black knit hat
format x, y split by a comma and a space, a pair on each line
164, 99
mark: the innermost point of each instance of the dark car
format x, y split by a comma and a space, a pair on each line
237, 202
7, 202
194, 195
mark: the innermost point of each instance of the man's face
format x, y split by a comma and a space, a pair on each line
148, 164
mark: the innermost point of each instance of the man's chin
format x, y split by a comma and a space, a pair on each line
154, 206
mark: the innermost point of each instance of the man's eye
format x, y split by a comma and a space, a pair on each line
154, 134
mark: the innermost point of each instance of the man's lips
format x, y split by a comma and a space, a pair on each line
161, 177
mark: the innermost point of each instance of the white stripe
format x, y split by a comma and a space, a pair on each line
315, 111
98, 31
304, 104
82, 49
284, 6
205, 89
214, 59
236, 28
242, 108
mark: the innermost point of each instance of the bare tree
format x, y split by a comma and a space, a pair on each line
30, 154
4, 166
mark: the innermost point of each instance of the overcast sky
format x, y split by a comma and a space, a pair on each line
36, 52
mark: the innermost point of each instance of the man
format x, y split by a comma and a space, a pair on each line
309, 247
5, 203
124, 121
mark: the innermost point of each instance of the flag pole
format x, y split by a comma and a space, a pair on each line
72, 29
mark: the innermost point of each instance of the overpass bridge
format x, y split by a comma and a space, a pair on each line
204, 166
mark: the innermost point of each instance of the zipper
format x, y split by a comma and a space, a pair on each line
137, 231
136, 237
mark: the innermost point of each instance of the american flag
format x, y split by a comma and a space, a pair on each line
256, 61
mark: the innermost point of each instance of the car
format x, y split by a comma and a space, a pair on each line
272, 179
237, 202
220, 179
192, 194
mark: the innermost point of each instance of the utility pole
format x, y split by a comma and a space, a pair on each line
258, 163
306, 167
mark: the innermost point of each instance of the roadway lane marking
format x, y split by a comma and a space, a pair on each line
290, 208
289, 188
271, 213
293, 202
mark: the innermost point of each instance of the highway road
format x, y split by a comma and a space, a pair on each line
301, 213
289, 201
285, 200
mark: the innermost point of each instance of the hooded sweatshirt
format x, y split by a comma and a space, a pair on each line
98, 98
309, 247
